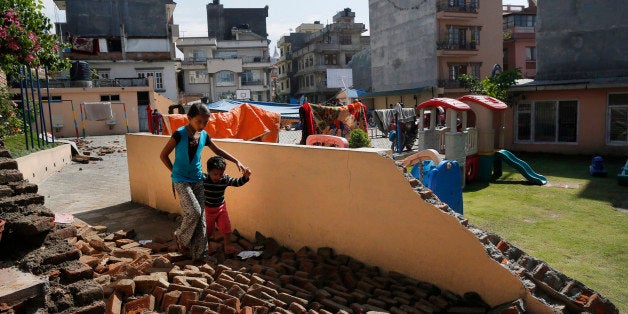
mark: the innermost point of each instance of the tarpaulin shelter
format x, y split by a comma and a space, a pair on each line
243, 121
287, 111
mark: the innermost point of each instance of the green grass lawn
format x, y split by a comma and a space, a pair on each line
573, 223
16, 144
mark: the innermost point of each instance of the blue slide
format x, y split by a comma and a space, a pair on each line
518, 164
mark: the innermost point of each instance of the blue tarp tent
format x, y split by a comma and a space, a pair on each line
285, 110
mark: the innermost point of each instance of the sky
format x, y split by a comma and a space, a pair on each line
283, 15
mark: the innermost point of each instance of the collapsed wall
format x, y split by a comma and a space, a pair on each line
358, 203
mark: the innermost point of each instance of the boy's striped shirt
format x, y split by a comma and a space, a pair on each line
215, 192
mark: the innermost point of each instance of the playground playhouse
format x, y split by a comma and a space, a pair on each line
468, 141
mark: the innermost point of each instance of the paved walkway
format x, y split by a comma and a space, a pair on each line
99, 193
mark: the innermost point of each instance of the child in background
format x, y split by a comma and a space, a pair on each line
187, 178
215, 183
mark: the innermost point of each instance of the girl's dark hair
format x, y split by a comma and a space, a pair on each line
216, 162
197, 109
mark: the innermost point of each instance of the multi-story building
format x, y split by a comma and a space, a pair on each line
124, 39
287, 65
419, 50
309, 54
519, 42
233, 61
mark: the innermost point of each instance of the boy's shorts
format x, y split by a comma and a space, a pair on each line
217, 216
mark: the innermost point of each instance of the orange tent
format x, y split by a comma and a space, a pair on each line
245, 122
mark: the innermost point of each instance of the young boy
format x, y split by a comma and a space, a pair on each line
215, 183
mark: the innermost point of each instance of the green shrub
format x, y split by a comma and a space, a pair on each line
358, 138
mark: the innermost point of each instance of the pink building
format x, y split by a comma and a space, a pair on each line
578, 100
519, 42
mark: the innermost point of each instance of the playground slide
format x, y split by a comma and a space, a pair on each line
521, 166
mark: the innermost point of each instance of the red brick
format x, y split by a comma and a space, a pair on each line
540, 271
187, 297
114, 304
60, 257
92, 261
233, 303
176, 309
171, 297
158, 293
173, 287
99, 244
142, 304
199, 309
145, 283
76, 271
126, 287
95, 307
85, 292
249, 300
503, 246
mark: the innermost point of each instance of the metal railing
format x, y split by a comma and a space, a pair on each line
446, 45
454, 6
450, 83
253, 82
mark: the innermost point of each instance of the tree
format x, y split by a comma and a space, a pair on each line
24, 41
25, 38
494, 86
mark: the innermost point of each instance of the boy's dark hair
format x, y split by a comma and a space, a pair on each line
197, 109
216, 162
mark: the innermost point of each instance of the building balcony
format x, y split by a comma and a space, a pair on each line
456, 49
145, 56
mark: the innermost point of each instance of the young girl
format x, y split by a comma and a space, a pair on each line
187, 178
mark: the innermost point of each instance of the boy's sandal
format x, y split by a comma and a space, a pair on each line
230, 250
180, 248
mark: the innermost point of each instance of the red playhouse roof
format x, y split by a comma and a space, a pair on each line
449, 103
486, 101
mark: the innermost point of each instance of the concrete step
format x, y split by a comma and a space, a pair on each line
17, 288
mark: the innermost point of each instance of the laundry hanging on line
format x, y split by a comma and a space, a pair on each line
98, 111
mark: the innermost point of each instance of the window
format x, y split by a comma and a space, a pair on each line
226, 55
455, 70
225, 78
114, 45
199, 55
109, 97
198, 77
250, 77
547, 121
103, 74
348, 58
345, 39
475, 70
531, 53
525, 20
617, 119
157, 76
330, 59
52, 98
457, 38
475, 36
